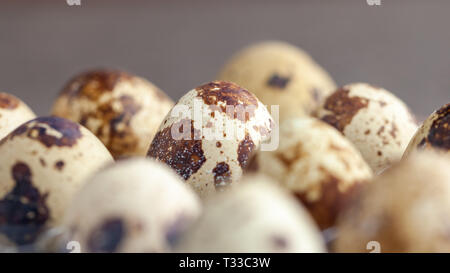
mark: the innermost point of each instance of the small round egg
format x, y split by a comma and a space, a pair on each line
281, 74
256, 216
124, 111
318, 165
43, 163
405, 209
210, 135
434, 133
13, 112
136, 205
378, 123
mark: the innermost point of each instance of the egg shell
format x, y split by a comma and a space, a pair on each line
255, 216
212, 162
140, 206
281, 74
434, 133
43, 163
122, 110
13, 112
406, 209
318, 165
378, 123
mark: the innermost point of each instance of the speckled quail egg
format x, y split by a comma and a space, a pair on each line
210, 134
280, 74
43, 163
316, 163
255, 216
434, 133
406, 209
378, 123
139, 206
122, 110
13, 112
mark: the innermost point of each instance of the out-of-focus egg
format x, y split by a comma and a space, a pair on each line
378, 123
43, 163
280, 74
136, 205
317, 164
13, 112
255, 216
122, 110
434, 133
406, 209
210, 134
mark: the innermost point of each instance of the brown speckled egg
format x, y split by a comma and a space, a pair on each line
406, 209
122, 110
318, 165
43, 163
198, 144
256, 216
434, 133
378, 123
280, 74
13, 112
136, 205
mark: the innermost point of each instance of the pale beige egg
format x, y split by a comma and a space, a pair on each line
13, 112
124, 111
210, 135
43, 163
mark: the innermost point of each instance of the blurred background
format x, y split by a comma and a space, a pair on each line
402, 45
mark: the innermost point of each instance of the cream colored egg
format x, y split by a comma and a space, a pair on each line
43, 163
256, 216
122, 110
136, 205
406, 209
318, 165
281, 74
378, 123
434, 133
210, 134
13, 112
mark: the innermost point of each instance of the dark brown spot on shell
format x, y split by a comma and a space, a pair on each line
93, 84
222, 176
23, 211
107, 237
42, 161
218, 144
235, 101
394, 130
343, 108
8, 101
59, 165
244, 151
331, 202
278, 81
279, 242
37, 129
379, 153
185, 155
439, 134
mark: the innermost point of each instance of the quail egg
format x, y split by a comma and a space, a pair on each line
139, 206
210, 135
122, 110
255, 216
43, 163
434, 132
378, 123
13, 112
318, 165
405, 209
281, 74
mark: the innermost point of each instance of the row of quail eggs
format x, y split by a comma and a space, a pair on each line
119, 167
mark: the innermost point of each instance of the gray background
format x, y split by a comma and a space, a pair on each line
403, 45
